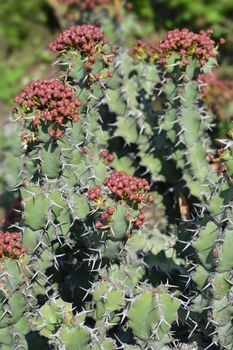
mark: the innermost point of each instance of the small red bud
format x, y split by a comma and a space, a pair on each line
138, 223
58, 134
104, 216
111, 210
84, 150
51, 132
36, 121
98, 224
75, 119
150, 198
222, 41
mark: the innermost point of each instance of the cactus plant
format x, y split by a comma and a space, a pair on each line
85, 270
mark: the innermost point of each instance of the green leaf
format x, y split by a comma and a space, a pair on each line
50, 313
201, 276
75, 338
120, 223
127, 128
77, 71
29, 240
15, 277
205, 244
51, 164
22, 326
150, 309
151, 163
58, 202
130, 89
226, 253
18, 306
143, 316
114, 300
125, 164
36, 212
81, 206
6, 336
116, 102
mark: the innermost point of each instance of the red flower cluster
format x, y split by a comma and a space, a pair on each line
107, 156
139, 219
143, 51
126, 188
53, 102
86, 38
214, 86
206, 81
106, 217
218, 93
186, 43
129, 187
10, 245
94, 193
89, 41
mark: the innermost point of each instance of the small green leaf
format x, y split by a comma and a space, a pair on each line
36, 212
75, 338
51, 164
143, 316
116, 102
120, 223
127, 128
81, 206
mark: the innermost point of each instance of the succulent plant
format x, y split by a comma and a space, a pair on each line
80, 266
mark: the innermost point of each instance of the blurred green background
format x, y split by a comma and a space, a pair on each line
27, 26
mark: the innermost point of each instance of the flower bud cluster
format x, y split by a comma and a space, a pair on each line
86, 38
97, 195
218, 93
124, 190
53, 103
94, 193
212, 86
89, 41
10, 245
106, 218
107, 156
125, 186
206, 81
188, 44
143, 51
